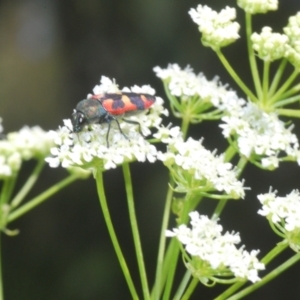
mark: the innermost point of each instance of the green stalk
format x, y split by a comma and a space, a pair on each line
236, 78
276, 272
172, 98
162, 245
289, 112
1, 279
218, 210
229, 153
135, 231
174, 252
190, 289
7, 189
40, 198
280, 247
29, 184
111, 230
185, 126
284, 87
252, 59
184, 282
277, 77
287, 101
266, 75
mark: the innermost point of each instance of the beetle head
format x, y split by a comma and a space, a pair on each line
78, 121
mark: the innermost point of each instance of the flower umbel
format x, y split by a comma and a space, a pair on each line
268, 45
28, 143
213, 257
259, 135
196, 170
88, 148
218, 29
194, 97
283, 213
258, 6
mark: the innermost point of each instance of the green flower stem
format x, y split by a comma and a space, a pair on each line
218, 210
186, 278
266, 75
252, 59
1, 280
7, 189
284, 87
287, 101
290, 92
185, 126
162, 245
289, 112
170, 270
234, 75
277, 77
241, 165
273, 274
174, 249
29, 184
280, 247
229, 153
190, 289
135, 231
173, 100
112, 233
40, 198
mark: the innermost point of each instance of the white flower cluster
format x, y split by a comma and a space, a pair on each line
197, 170
205, 242
268, 45
25, 144
218, 29
185, 83
260, 133
284, 213
258, 6
292, 30
88, 149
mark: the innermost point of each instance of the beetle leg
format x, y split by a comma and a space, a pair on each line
135, 123
121, 129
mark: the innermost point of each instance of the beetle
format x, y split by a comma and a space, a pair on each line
105, 108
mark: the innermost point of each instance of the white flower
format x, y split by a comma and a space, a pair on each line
213, 253
196, 169
185, 83
269, 46
284, 213
258, 6
292, 30
31, 142
106, 85
168, 134
260, 133
89, 148
25, 144
218, 29
194, 97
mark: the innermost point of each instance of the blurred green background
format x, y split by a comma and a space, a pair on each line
52, 53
